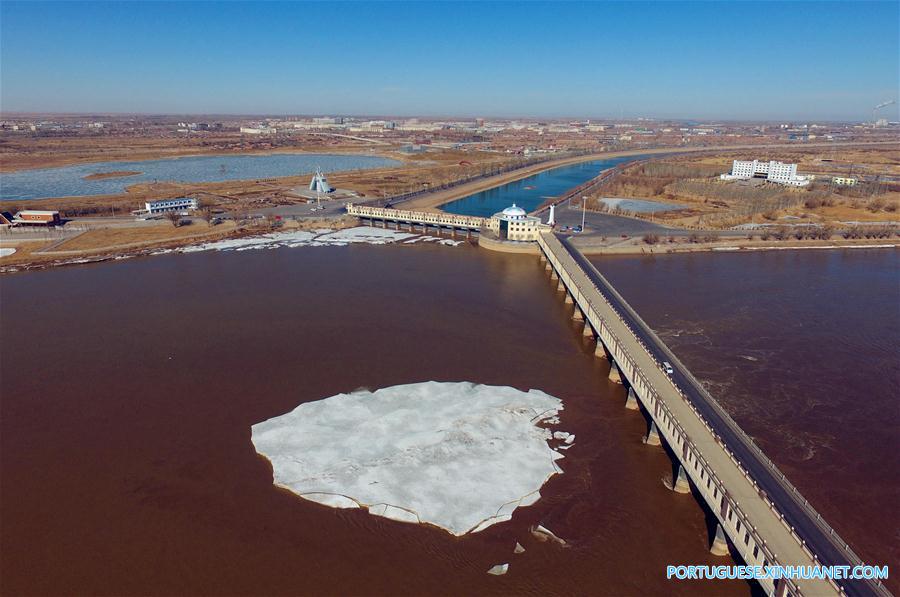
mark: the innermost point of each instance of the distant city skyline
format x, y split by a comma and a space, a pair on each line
744, 61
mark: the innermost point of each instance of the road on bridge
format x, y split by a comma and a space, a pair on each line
804, 520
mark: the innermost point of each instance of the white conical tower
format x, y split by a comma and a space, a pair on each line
319, 183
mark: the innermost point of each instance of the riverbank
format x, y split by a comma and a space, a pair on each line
590, 246
108, 244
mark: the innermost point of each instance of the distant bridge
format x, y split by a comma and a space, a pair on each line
760, 514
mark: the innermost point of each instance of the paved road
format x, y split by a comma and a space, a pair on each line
330, 209
794, 511
600, 224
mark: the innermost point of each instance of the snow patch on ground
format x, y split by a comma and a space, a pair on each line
6, 252
322, 237
457, 455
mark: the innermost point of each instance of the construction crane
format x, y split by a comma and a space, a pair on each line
878, 107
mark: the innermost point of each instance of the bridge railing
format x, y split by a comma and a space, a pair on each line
653, 398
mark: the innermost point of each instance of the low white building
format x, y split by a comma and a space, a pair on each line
179, 204
264, 130
778, 172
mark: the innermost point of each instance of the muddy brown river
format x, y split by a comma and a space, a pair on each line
129, 389
801, 348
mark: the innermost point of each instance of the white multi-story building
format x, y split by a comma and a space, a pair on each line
772, 171
179, 204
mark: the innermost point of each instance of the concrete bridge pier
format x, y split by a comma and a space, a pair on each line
652, 438
616, 376
600, 350
577, 315
384, 223
680, 483
569, 300
719, 545
631, 402
560, 287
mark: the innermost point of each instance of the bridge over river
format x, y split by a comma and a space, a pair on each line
760, 515
765, 519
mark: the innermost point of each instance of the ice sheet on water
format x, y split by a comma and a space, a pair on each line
457, 455
322, 237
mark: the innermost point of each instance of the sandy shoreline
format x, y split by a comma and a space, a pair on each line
54, 254
734, 247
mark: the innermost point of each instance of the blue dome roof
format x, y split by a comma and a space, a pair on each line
514, 212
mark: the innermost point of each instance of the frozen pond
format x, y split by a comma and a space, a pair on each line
69, 180
638, 205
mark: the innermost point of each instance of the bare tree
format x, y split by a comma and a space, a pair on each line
206, 212
174, 217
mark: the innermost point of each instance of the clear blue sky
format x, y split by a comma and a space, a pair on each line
742, 60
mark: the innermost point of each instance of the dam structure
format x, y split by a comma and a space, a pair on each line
511, 230
422, 219
760, 516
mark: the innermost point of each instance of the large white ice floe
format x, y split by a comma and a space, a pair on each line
457, 455
322, 237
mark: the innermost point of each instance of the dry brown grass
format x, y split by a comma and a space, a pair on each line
111, 238
25, 252
690, 180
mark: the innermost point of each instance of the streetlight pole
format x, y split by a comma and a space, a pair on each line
583, 208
